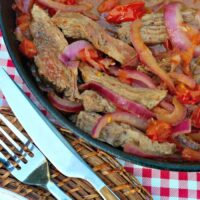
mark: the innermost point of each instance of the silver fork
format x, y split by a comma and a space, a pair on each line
36, 170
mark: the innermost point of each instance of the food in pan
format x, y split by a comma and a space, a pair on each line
127, 71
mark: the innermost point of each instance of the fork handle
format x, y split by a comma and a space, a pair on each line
56, 191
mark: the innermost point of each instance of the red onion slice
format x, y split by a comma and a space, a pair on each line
133, 149
166, 105
175, 117
182, 128
146, 55
190, 82
173, 22
64, 104
123, 117
119, 101
71, 52
140, 76
63, 7
27, 5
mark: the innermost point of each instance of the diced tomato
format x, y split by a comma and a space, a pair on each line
23, 22
107, 5
93, 55
186, 95
23, 19
196, 118
190, 154
159, 131
123, 77
28, 48
124, 13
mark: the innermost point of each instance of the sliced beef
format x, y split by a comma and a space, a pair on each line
50, 42
147, 97
93, 102
78, 26
154, 30
195, 66
118, 134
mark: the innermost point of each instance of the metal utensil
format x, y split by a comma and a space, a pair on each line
36, 170
48, 139
8, 195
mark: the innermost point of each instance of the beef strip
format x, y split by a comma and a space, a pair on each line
78, 26
50, 42
93, 102
195, 66
147, 97
154, 30
118, 134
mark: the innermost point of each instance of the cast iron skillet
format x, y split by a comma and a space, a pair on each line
7, 22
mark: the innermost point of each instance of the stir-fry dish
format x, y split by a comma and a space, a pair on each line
127, 71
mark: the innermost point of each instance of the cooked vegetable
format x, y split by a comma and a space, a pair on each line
107, 5
176, 116
91, 56
24, 5
159, 131
119, 101
183, 37
196, 118
28, 48
63, 7
182, 128
186, 95
146, 56
67, 2
122, 117
136, 75
174, 24
64, 104
125, 13
190, 82
71, 52
190, 155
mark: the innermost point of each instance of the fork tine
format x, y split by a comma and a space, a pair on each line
13, 155
13, 143
16, 132
6, 163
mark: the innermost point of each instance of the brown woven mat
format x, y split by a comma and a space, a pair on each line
108, 168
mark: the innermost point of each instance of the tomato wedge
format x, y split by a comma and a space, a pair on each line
186, 95
28, 48
125, 13
159, 131
92, 53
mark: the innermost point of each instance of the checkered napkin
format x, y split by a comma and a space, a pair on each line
163, 185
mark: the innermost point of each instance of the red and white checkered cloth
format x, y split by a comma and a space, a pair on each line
163, 185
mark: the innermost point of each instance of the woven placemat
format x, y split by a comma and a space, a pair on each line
105, 166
